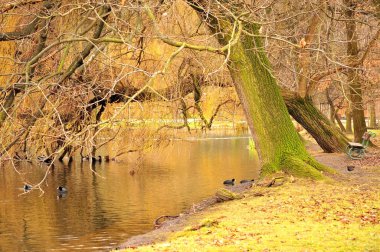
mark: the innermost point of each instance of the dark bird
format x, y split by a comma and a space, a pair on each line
61, 189
44, 159
229, 182
94, 159
27, 187
350, 168
246, 181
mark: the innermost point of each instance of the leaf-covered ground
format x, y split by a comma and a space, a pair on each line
299, 216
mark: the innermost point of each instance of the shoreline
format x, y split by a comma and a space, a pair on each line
338, 162
162, 232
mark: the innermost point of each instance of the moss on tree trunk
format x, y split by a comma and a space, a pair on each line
278, 144
327, 135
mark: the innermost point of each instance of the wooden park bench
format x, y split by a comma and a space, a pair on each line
357, 150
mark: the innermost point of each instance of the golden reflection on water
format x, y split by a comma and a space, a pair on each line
101, 211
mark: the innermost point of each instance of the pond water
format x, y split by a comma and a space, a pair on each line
102, 210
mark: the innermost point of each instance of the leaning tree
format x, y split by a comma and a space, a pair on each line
277, 141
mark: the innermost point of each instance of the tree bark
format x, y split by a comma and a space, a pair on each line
277, 142
276, 139
348, 121
340, 124
331, 106
327, 135
352, 73
16, 35
304, 57
333, 112
372, 115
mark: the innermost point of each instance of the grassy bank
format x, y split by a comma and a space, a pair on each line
301, 216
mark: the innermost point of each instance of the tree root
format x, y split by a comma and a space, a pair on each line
224, 194
162, 219
300, 168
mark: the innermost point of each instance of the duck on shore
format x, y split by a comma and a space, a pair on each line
246, 181
229, 182
350, 168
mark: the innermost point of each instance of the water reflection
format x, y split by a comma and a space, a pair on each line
100, 211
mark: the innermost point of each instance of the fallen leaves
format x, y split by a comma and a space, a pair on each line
300, 216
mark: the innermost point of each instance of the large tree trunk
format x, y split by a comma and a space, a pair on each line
304, 54
372, 115
341, 126
331, 106
348, 121
333, 112
352, 74
276, 139
301, 107
327, 135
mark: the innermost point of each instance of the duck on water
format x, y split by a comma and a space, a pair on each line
27, 187
232, 181
45, 159
61, 189
93, 159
